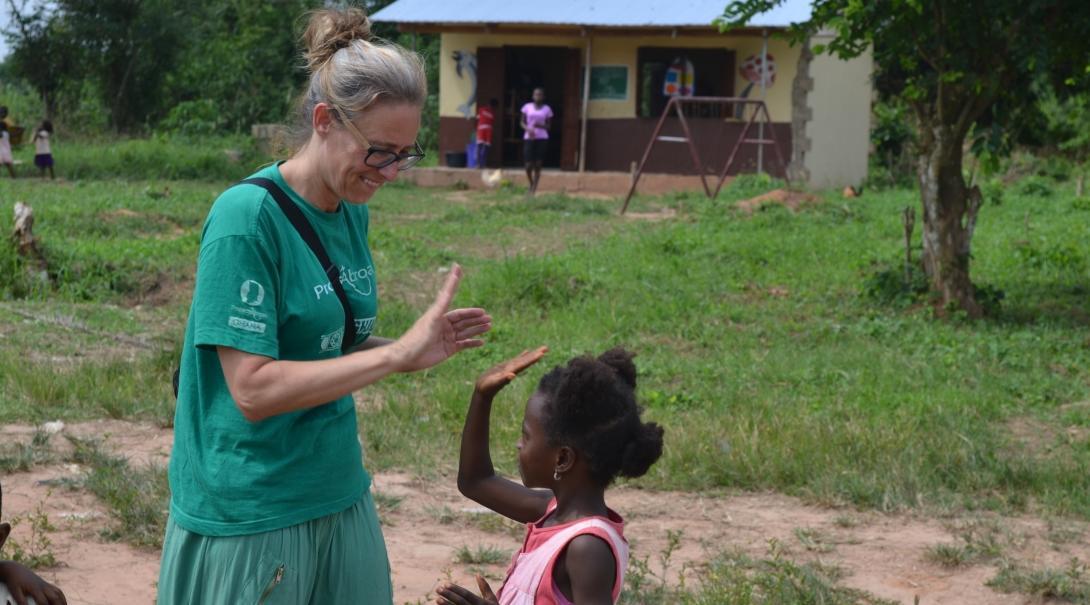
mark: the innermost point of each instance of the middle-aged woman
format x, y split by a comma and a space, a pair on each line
270, 501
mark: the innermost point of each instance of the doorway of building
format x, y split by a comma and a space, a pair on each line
526, 68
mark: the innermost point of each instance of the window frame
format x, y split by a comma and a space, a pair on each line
646, 54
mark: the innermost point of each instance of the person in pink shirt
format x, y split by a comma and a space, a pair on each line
537, 119
581, 430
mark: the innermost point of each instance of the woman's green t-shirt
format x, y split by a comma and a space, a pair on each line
260, 289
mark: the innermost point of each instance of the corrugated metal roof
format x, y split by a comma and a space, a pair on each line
598, 13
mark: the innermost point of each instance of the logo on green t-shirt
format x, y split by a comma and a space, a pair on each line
252, 293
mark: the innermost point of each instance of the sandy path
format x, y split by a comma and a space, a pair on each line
424, 525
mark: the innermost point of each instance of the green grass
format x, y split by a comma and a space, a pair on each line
17, 457
34, 547
481, 555
731, 578
156, 157
758, 350
137, 499
1068, 585
742, 580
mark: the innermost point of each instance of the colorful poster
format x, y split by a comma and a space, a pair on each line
679, 80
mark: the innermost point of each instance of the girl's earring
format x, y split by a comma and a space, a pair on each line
556, 474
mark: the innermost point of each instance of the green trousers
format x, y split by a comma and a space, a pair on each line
340, 558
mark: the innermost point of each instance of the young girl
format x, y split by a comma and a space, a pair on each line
5, 149
43, 154
581, 429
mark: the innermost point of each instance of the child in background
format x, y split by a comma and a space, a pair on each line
486, 117
536, 121
580, 430
24, 585
5, 149
43, 153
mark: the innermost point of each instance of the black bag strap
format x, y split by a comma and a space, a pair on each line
306, 231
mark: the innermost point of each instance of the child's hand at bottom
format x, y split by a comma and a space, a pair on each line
500, 376
452, 594
23, 583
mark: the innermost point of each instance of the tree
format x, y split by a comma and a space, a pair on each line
243, 66
129, 46
957, 62
41, 51
126, 47
1067, 113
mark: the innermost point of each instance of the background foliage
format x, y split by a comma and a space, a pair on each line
202, 67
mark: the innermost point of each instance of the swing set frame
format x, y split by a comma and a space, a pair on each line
758, 116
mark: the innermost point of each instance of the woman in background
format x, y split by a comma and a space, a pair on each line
537, 119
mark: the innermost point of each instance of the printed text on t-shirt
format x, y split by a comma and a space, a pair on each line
360, 280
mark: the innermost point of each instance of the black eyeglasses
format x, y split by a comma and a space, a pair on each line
381, 158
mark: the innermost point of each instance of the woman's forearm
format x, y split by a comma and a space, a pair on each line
263, 387
373, 342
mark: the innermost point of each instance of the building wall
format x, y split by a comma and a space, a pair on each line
839, 127
618, 50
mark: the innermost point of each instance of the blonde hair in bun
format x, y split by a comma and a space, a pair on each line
353, 70
331, 30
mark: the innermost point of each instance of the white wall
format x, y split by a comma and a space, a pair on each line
839, 129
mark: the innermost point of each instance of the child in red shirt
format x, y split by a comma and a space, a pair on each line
486, 117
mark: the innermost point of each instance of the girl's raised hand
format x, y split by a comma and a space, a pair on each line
501, 375
452, 594
440, 333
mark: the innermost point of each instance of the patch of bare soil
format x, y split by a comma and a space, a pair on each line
1038, 438
165, 290
662, 214
415, 288
460, 196
520, 241
792, 200
426, 522
120, 213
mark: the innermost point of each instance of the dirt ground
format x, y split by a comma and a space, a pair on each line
426, 523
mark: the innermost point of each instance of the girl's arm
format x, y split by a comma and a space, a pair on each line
263, 387
592, 570
477, 478
526, 125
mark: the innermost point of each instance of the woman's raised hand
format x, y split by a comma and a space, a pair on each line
440, 333
490, 383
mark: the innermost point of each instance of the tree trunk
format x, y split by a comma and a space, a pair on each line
949, 216
27, 245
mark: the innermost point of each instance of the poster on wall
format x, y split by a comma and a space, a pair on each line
608, 82
679, 79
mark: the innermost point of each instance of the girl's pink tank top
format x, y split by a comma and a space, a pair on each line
530, 576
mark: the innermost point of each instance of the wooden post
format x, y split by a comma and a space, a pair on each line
586, 105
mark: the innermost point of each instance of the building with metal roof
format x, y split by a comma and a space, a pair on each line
640, 54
